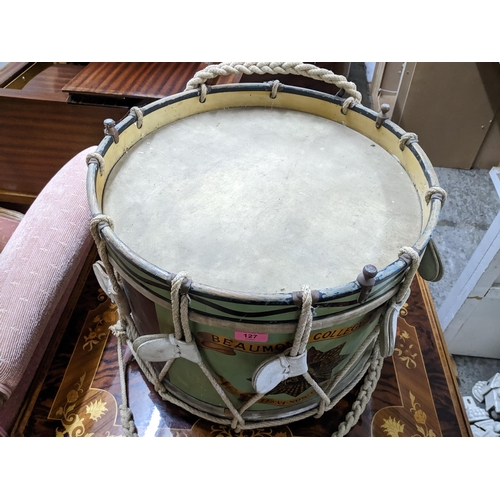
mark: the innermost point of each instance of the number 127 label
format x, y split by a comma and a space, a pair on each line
251, 336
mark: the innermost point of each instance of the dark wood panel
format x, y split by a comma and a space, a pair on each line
10, 71
38, 137
52, 80
140, 79
40, 130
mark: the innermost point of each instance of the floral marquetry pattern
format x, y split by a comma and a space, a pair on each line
415, 415
82, 409
420, 419
393, 427
76, 419
73, 423
404, 310
404, 349
397, 421
96, 409
100, 326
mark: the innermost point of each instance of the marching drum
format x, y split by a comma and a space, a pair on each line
259, 241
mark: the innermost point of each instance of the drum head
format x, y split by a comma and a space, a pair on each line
262, 200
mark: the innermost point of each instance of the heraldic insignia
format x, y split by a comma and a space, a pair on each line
320, 366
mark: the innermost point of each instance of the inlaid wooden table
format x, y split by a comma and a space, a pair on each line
79, 394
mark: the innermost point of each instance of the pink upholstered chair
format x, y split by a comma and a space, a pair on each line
38, 269
9, 220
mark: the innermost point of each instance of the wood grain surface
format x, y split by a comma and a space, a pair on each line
59, 111
133, 79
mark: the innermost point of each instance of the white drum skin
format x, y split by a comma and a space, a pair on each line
262, 200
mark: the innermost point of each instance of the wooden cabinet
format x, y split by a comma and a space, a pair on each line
452, 107
39, 130
51, 111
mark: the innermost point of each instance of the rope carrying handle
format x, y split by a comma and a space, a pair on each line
275, 68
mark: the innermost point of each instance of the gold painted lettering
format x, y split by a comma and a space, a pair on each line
340, 332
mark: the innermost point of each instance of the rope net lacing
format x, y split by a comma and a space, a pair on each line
126, 332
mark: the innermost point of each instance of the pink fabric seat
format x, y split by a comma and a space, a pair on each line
7, 228
38, 269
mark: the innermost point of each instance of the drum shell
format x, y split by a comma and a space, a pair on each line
224, 331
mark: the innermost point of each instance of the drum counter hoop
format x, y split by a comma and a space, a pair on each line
259, 241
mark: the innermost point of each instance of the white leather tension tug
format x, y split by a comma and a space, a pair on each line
277, 369
164, 347
103, 279
389, 325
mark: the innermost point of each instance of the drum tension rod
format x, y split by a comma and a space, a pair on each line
366, 279
382, 116
109, 129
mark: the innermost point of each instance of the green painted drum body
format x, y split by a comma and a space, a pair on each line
253, 197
